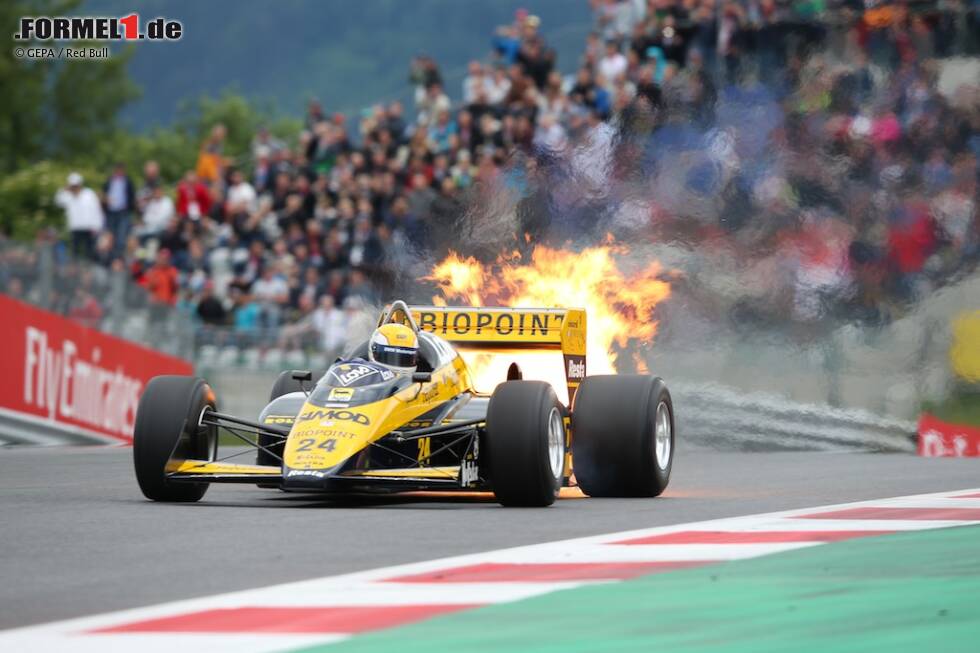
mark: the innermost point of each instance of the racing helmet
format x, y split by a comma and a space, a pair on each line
395, 346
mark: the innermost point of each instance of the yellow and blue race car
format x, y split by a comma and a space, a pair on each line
362, 428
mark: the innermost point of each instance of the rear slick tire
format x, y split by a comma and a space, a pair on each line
622, 436
168, 425
525, 443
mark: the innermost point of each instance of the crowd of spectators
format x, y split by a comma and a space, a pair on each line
807, 148
818, 169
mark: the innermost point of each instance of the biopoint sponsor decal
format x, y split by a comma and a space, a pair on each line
61, 371
491, 323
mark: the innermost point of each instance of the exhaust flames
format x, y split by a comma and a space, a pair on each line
620, 305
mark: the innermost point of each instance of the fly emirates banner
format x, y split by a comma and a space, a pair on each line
56, 370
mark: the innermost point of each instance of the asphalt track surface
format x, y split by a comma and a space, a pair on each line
77, 537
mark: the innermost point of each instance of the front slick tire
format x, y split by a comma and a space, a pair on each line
525, 443
623, 436
167, 423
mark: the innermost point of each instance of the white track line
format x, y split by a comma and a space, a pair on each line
354, 594
364, 589
933, 502
559, 552
791, 524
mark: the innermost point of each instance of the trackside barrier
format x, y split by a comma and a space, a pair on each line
65, 383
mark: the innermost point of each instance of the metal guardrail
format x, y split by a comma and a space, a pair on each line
18, 429
108, 300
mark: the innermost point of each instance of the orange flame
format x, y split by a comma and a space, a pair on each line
619, 305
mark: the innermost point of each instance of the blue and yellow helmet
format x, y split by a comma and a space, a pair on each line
395, 346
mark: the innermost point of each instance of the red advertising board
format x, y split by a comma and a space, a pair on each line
60, 371
939, 438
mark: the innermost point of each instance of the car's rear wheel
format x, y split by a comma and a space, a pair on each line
168, 427
622, 436
284, 385
525, 443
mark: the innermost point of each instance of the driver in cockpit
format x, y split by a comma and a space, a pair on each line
395, 346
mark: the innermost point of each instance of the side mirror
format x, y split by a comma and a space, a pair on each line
302, 375
421, 377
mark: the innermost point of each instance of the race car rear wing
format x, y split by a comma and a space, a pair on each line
487, 328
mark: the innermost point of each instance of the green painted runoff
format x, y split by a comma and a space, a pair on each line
905, 592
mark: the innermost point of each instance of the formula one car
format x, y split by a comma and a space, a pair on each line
362, 428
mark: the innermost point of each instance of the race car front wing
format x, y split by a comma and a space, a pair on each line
411, 474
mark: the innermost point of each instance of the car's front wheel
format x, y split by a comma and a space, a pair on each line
168, 428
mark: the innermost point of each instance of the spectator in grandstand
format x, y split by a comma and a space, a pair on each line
613, 64
106, 250
395, 121
536, 61
307, 282
475, 82
331, 325
241, 198
314, 113
265, 144
162, 280
157, 215
442, 133
263, 173
360, 288
271, 294
119, 200
151, 179
615, 18
247, 315
422, 196
507, 39
498, 87
193, 197
431, 102
83, 212
327, 143
301, 332
324, 327
210, 310
85, 309
196, 264
211, 161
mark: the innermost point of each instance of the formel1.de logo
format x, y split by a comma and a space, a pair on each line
97, 28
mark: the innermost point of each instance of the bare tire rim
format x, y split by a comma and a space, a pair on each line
556, 443
662, 436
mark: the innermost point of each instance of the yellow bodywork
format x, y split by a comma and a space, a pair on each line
324, 437
207, 467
